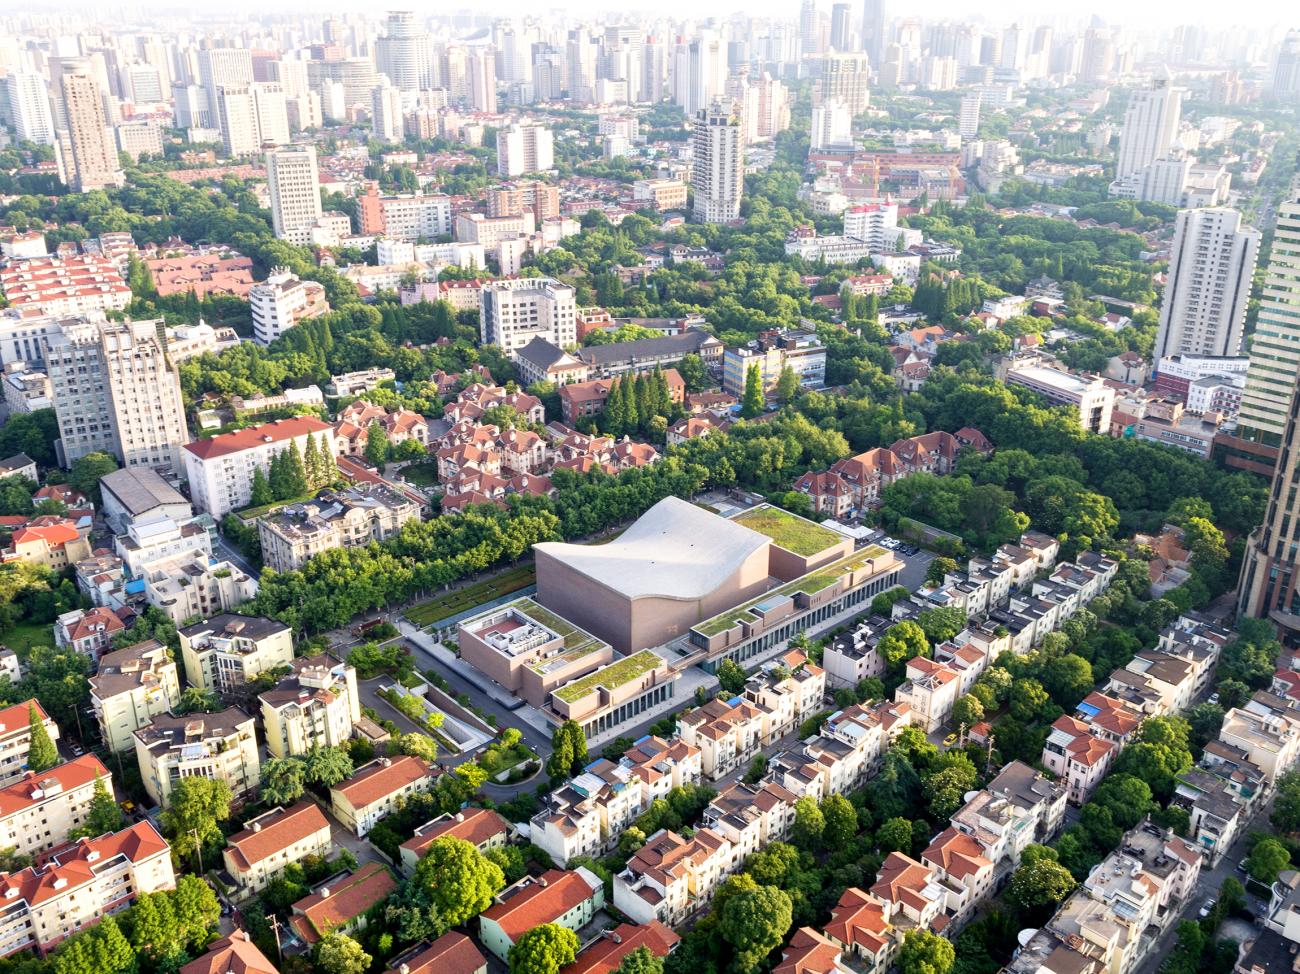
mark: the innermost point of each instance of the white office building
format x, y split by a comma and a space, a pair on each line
514, 312
294, 184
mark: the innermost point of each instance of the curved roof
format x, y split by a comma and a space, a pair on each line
675, 550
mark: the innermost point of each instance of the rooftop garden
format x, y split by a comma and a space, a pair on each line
577, 642
789, 531
809, 584
614, 675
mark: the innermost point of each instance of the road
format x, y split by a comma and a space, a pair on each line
232, 554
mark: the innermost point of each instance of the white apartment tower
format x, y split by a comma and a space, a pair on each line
29, 104
115, 391
718, 166
481, 80
294, 183
90, 158
1150, 126
404, 53
252, 117
523, 148
1210, 270
222, 67
832, 125
386, 113
847, 76
968, 122
514, 312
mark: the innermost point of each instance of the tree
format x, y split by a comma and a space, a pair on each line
841, 821
41, 752
809, 824
940, 625
337, 953
1029, 700
327, 766
895, 835
283, 780
1267, 859
88, 470
940, 567
192, 813
731, 676
924, 952
196, 700
754, 922
1039, 884
459, 880
752, 402
641, 961
260, 494
568, 750
787, 385
104, 814
543, 950
1286, 803
901, 642
154, 931
376, 445
967, 711
196, 909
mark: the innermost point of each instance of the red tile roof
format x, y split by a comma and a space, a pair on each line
606, 954
809, 953
274, 834
474, 825
341, 902
48, 785
452, 953
255, 436
74, 865
236, 954
379, 780
545, 899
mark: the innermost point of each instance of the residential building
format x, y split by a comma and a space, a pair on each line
220, 468
566, 898
515, 311
15, 737
1089, 395
49, 540
116, 392
133, 686
718, 163
1211, 266
452, 953
221, 745
38, 810
406, 218
87, 631
605, 954
273, 840
236, 954
79, 884
1150, 126
524, 147
352, 428
844, 78
29, 104
378, 789
139, 495
228, 651
579, 399
76, 285
315, 705
294, 185
195, 586
283, 301
480, 827
772, 352
342, 904
348, 518
660, 194
89, 157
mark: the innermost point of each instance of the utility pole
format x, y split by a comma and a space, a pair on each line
274, 921
198, 848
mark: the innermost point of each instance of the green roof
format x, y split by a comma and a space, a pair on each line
810, 584
614, 675
789, 531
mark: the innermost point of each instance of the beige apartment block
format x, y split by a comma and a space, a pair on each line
228, 651
221, 745
315, 705
38, 812
133, 686
274, 840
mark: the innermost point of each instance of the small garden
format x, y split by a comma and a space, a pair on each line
463, 599
509, 759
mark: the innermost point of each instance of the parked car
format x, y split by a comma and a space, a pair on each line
1206, 907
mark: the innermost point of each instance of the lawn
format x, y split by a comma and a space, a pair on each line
614, 675
24, 636
252, 513
789, 531
453, 603
420, 474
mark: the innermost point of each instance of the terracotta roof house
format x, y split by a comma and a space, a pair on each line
568, 898
275, 839
480, 827
342, 904
236, 954
376, 789
452, 953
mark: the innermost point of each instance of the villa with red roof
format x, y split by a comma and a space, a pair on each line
236, 954
452, 953
1074, 754
49, 540
567, 898
79, 884
377, 790
273, 840
811, 953
860, 926
343, 904
480, 827
16, 737
606, 953
220, 469
959, 861
88, 631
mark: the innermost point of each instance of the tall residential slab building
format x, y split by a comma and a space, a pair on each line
873, 30
1275, 345
222, 67
1150, 125
524, 147
718, 166
114, 391
1210, 270
29, 104
90, 157
847, 76
294, 184
515, 311
404, 53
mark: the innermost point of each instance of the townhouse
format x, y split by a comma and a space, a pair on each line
378, 789
220, 745
837, 760
343, 903
316, 704
348, 518
749, 817
236, 954
480, 827
671, 877
79, 884
352, 427
87, 631
811, 953
605, 954
39, 810
274, 840
910, 893
1115, 919
860, 927
566, 898
930, 689
958, 863
133, 686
